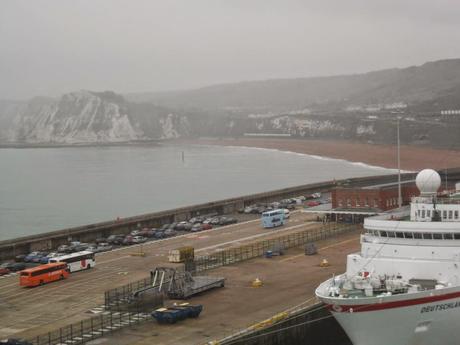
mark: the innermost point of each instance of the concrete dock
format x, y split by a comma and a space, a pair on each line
288, 281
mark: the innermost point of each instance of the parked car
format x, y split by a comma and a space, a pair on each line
159, 234
196, 227
64, 248
180, 226
206, 226
165, 226
78, 247
128, 240
214, 221
45, 259
228, 220
12, 341
15, 266
287, 213
170, 232
139, 239
4, 269
312, 203
104, 247
33, 255
135, 232
115, 239
37, 259
101, 240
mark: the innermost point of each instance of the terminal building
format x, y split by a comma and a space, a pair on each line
353, 204
376, 198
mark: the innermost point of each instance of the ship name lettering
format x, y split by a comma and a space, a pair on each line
440, 307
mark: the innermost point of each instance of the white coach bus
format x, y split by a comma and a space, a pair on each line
77, 261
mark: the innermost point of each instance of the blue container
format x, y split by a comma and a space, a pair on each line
164, 315
191, 310
268, 254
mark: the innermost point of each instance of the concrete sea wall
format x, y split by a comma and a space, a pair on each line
88, 233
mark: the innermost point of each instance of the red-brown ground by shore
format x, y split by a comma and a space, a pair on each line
412, 157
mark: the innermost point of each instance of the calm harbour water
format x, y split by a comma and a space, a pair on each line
52, 188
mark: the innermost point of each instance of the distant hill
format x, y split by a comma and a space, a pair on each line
425, 84
359, 107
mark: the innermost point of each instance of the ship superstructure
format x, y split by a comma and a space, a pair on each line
403, 288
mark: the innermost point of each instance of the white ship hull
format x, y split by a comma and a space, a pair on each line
423, 318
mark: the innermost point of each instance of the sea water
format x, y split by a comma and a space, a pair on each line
45, 189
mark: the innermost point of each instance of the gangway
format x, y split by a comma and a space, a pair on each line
180, 284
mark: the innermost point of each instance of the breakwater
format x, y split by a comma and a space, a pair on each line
88, 233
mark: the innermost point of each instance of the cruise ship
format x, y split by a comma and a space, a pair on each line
403, 288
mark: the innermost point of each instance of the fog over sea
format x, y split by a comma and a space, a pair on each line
45, 189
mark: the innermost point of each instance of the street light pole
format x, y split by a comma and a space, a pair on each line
399, 167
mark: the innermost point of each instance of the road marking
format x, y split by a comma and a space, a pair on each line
322, 248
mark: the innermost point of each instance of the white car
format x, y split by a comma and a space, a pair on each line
286, 213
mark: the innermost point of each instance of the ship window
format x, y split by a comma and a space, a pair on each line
437, 236
391, 234
456, 214
427, 236
457, 236
408, 235
428, 213
399, 235
447, 236
450, 214
423, 213
417, 235
444, 214
418, 212
383, 234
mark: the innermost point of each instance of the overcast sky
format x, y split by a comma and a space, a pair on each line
52, 47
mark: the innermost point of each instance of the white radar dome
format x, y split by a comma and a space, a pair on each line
428, 181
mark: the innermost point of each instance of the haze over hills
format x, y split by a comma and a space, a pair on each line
355, 107
412, 86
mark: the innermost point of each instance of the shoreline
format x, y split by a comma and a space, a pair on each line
413, 158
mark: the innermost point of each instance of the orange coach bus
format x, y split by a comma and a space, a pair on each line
43, 274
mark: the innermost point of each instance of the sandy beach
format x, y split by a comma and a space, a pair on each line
412, 157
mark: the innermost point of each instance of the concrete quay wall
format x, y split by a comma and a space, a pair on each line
88, 233
313, 325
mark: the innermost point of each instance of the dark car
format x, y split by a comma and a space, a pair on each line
128, 240
34, 256
14, 342
15, 266
115, 239
37, 259
170, 232
159, 234
100, 240
4, 269
206, 226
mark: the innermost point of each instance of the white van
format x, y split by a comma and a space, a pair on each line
286, 213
